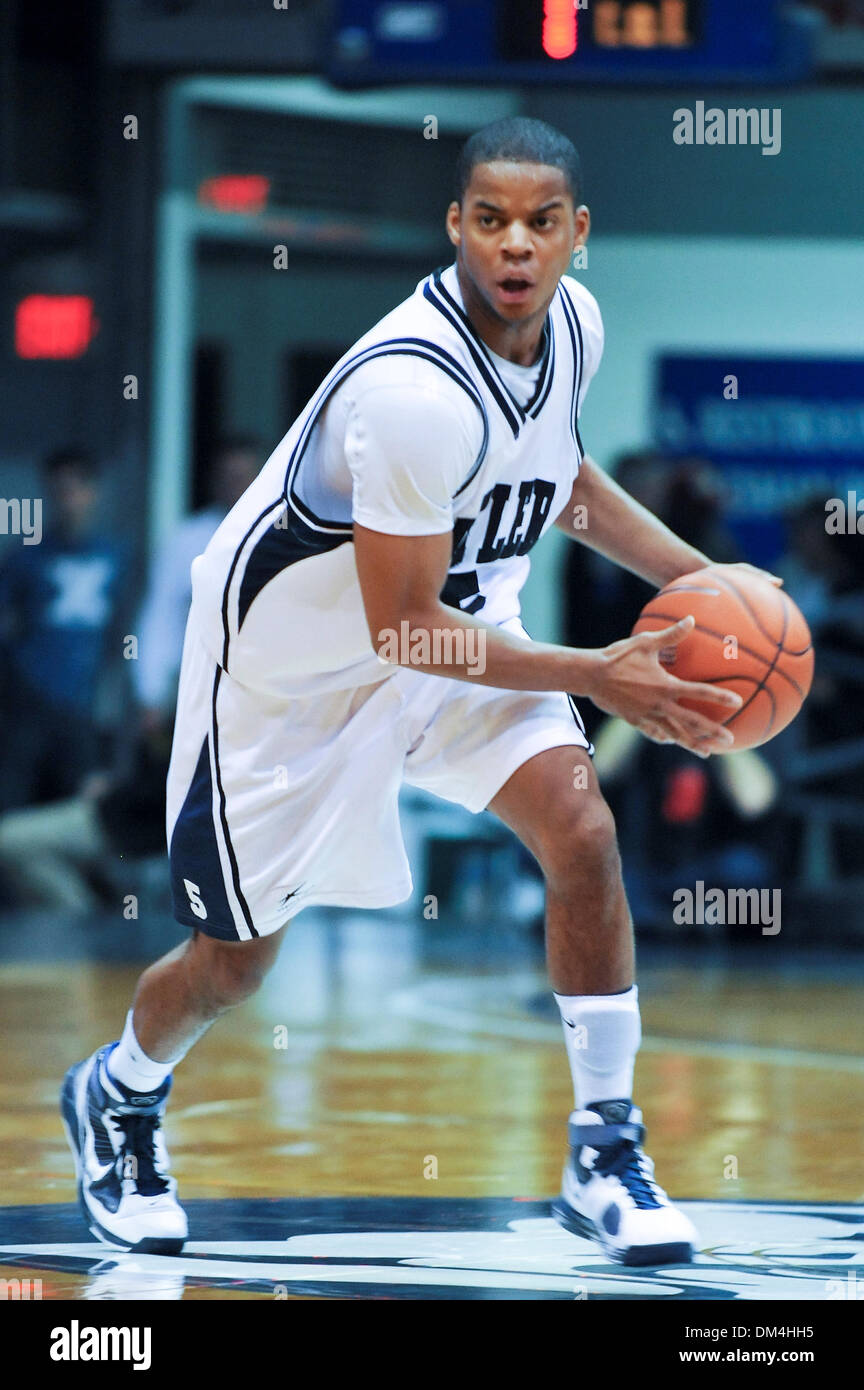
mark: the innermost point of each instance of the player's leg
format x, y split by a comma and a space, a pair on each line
554, 804
114, 1101
181, 995
262, 821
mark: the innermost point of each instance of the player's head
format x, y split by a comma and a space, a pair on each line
518, 214
235, 462
520, 140
72, 482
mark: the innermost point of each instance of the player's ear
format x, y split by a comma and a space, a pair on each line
453, 223
582, 219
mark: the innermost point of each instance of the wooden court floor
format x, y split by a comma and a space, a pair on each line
369, 1052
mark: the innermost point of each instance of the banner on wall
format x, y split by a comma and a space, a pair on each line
779, 430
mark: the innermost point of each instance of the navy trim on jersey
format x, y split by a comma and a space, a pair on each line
194, 854
319, 523
308, 534
574, 710
279, 547
391, 347
235, 872
572, 320
543, 384
432, 290
274, 506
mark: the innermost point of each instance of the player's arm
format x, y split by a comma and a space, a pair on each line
600, 513
603, 516
401, 578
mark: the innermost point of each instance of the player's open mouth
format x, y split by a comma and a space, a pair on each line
514, 288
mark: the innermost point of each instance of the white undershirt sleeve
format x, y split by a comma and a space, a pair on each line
410, 446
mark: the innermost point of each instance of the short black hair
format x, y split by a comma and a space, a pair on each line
73, 457
523, 140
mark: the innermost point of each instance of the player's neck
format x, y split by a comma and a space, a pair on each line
516, 342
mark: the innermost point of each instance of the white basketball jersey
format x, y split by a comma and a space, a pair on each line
276, 597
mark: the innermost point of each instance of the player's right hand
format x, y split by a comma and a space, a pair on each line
631, 682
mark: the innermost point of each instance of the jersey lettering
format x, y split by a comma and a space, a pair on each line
461, 526
543, 494
514, 539
463, 591
511, 473
499, 543
496, 499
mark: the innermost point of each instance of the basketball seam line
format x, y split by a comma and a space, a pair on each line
761, 684
746, 604
666, 617
711, 632
771, 668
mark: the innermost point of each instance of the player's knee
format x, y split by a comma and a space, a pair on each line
234, 971
579, 840
233, 981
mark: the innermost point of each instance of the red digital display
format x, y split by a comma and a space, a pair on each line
643, 23
236, 192
560, 28
540, 30
54, 325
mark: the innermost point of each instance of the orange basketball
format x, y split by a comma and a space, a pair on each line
749, 637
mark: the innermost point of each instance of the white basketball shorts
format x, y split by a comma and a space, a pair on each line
276, 804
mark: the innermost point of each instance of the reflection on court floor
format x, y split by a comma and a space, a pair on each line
428, 1248
387, 1119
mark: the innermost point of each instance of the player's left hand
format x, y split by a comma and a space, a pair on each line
752, 569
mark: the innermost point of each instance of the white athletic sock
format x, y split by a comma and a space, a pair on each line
602, 1033
129, 1064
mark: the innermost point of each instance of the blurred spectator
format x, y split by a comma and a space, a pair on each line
825, 574
58, 601
679, 818
236, 460
60, 855
840, 12
599, 595
602, 600
808, 562
693, 508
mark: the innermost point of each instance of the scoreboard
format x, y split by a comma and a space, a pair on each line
536, 30
574, 41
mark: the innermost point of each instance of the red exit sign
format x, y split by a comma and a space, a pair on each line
54, 325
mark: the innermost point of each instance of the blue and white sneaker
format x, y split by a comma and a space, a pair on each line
127, 1196
608, 1192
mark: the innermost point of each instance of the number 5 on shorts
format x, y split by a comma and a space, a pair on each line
193, 893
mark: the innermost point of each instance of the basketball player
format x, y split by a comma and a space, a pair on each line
355, 625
